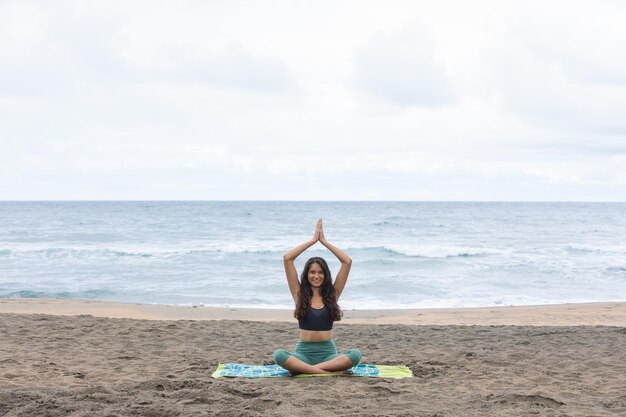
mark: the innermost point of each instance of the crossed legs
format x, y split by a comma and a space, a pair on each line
337, 365
298, 363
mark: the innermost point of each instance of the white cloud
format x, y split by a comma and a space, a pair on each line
403, 67
232, 67
321, 100
565, 69
54, 51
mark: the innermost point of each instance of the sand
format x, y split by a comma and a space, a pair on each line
470, 362
607, 314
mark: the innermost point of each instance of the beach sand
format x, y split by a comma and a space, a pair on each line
62, 357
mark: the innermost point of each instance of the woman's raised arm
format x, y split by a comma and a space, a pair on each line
346, 261
289, 257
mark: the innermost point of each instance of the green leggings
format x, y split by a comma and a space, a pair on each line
315, 352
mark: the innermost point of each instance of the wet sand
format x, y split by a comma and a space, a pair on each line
608, 314
60, 357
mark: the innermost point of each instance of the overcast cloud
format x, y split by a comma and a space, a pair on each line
319, 100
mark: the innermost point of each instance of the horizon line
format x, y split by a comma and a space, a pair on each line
309, 201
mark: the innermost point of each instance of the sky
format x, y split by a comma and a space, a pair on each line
313, 100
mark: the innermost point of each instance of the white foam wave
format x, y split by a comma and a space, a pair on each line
497, 301
442, 251
260, 247
86, 250
597, 248
373, 304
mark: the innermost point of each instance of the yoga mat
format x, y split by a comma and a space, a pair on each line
273, 371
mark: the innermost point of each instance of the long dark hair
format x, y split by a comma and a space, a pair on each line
327, 292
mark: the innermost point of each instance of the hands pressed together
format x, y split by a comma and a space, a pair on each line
319, 233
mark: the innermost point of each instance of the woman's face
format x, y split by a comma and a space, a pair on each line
316, 275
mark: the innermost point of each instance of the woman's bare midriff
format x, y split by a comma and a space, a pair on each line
315, 335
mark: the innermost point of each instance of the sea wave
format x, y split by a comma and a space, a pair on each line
438, 251
388, 304
88, 251
577, 248
277, 250
152, 249
72, 253
94, 294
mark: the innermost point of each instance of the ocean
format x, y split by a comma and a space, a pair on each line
229, 253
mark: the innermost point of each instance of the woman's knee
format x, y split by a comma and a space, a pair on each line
354, 355
280, 356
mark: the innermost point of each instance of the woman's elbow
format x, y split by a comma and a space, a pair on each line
348, 261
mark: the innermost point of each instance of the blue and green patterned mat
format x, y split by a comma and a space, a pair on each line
273, 371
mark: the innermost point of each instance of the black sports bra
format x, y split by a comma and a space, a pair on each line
316, 319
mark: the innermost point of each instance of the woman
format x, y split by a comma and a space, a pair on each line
316, 297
